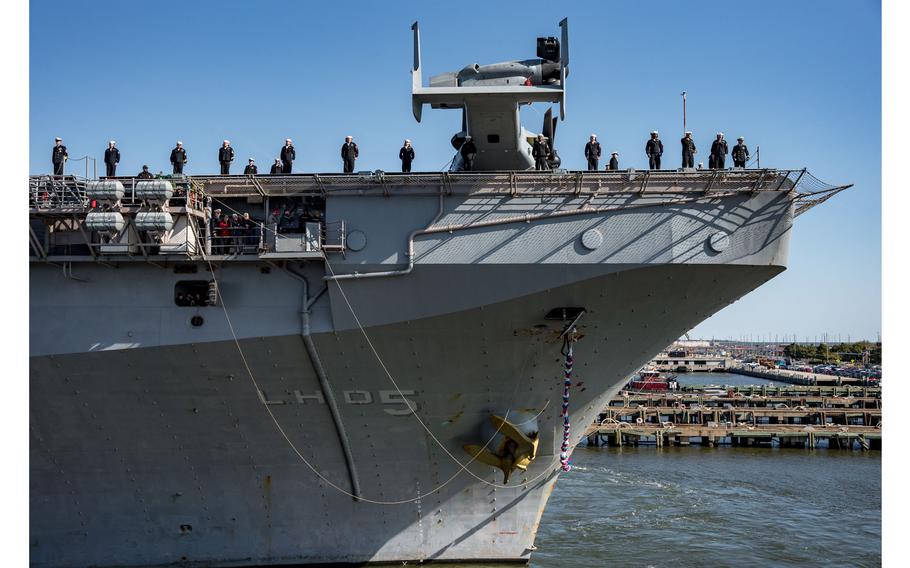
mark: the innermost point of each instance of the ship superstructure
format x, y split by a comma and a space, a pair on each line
304, 392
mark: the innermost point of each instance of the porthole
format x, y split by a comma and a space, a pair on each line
196, 321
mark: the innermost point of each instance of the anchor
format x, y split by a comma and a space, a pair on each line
512, 445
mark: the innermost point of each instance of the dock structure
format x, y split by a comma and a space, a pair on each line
830, 391
786, 400
795, 436
692, 362
799, 377
789, 417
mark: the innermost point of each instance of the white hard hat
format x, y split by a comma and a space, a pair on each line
58, 138
593, 135
113, 142
615, 153
287, 139
179, 142
720, 133
653, 132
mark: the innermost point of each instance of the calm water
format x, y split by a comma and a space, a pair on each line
694, 506
722, 379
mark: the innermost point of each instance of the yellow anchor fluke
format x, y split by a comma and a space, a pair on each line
484, 455
513, 450
526, 449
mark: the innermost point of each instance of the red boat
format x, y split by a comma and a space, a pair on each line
649, 380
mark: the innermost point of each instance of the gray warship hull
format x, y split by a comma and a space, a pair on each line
163, 434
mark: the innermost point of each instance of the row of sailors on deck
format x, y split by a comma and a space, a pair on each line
283, 164
654, 149
541, 152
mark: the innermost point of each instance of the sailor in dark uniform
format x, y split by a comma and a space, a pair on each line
654, 149
718, 152
406, 155
288, 155
225, 157
178, 158
145, 173
349, 153
277, 167
688, 150
540, 151
468, 151
58, 156
592, 153
250, 169
111, 158
740, 153
614, 161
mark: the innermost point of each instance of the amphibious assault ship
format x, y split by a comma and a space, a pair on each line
375, 373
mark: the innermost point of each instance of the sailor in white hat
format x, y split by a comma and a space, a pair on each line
406, 155
178, 158
539, 152
349, 154
592, 153
225, 157
614, 161
58, 156
719, 152
111, 158
740, 153
688, 150
250, 168
468, 152
654, 149
288, 155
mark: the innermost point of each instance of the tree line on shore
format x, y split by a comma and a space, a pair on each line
836, 352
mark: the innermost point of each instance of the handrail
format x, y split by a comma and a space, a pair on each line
493, 183
507, 182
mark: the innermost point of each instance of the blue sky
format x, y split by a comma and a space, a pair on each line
800, 79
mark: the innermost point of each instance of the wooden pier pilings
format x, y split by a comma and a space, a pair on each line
792, 417
847, 438
798, 377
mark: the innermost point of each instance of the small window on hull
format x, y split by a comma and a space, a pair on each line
195, 293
